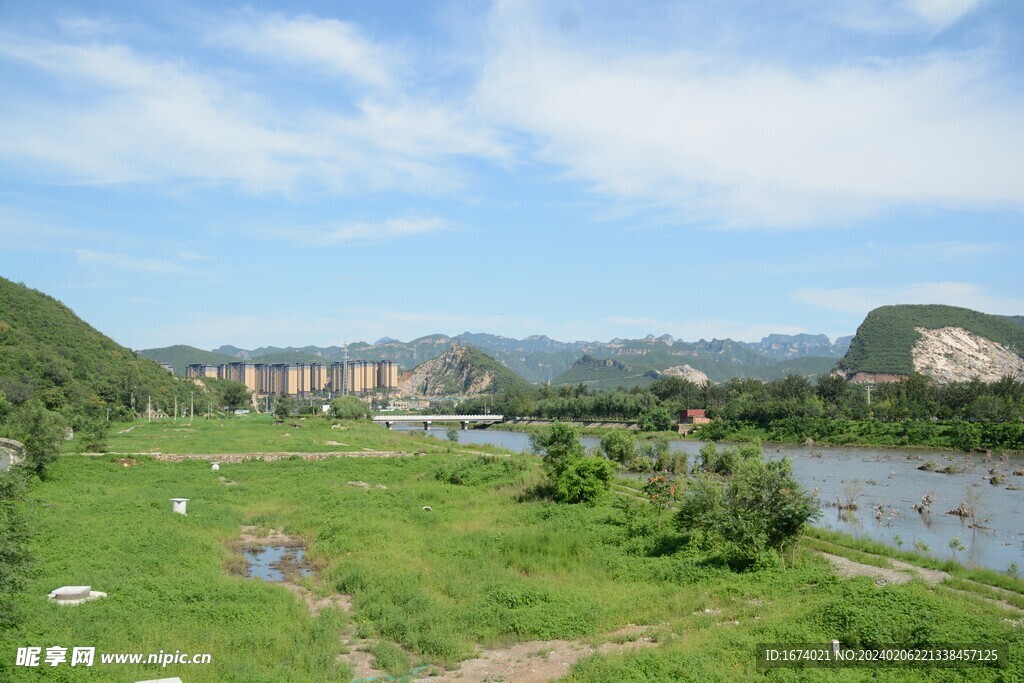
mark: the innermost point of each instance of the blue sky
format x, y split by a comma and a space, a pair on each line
303, 173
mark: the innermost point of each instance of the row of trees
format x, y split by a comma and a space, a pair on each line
783, 407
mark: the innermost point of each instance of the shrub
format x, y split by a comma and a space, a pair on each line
584, 480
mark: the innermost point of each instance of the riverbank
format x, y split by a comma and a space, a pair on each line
863, 433
433, 574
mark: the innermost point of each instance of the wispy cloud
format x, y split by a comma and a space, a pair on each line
860, 300
114, 261
739, 142
330, 46
908, 16
392, 228
108, 113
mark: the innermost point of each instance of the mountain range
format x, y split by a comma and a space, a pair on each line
541, 359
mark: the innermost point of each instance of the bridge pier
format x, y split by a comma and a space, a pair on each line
426, 425
465, 425
389, 425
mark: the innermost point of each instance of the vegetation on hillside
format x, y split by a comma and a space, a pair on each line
181, 356
58, 372
885, 339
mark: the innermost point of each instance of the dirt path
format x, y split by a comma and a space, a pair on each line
539, 661
900, 572
267, 457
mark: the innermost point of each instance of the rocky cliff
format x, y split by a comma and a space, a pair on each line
459, 371
952, 354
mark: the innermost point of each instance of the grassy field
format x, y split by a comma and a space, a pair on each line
487, 566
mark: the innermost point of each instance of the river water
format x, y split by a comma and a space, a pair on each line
888, 478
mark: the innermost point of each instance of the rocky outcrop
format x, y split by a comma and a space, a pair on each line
952, 354
450, 373
686, 372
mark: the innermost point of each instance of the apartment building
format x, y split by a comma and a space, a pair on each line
304, 379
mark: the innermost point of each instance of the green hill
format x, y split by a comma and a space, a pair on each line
49, 353
179, 356
884, 341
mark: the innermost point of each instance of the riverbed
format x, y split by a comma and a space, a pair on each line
885, 484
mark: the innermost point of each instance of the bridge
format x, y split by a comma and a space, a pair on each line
390, 420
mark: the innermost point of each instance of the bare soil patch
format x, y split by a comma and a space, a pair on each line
539, 661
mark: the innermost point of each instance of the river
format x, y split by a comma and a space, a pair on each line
888, 478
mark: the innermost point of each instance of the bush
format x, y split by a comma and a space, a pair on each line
584, 480
483, 469
619, 446
762, 507
349, 408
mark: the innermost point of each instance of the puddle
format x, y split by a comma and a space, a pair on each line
274, 562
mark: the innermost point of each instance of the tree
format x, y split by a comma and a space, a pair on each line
349, 408
452, 433
558, 444
761, 507
574, 477
620, 446
661, 490
42, 432
584, 480
235, 395
656, 419
283, 407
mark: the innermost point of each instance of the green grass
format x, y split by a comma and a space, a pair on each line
487, 566
261, 434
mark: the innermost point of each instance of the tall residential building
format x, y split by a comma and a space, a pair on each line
304, 379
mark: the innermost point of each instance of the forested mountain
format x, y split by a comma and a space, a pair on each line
945, 342
180, 356
49, 354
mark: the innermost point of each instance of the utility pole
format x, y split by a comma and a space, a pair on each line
192, 407
149, 408
175, 407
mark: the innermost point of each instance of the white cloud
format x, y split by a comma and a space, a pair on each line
120, 116
860, 300
335, 47
108, 260
942, 13
392, 228
907, 16
749, 144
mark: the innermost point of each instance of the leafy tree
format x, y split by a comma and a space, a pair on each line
574, 477
656, 419
620, 446
453, 434
235, 395
42, 432
584, 480
761, 508
283, 407
661, 491
558, 444
349, 408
